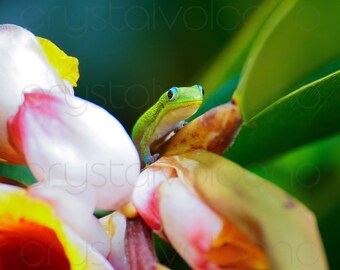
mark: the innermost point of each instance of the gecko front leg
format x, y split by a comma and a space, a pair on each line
146, 155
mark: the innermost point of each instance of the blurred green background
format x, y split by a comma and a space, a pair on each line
132, 51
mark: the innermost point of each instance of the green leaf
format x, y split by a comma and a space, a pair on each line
230, 61
310, 173
307, 114
299, 38
221, 96
18, 173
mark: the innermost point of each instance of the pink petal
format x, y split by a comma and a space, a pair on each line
73, 143
146, 196
189, 224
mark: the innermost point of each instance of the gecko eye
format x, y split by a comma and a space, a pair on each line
201, 88
172, 93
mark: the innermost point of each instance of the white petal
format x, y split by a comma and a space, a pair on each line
146, 198
115, 225
5, 187
188, 223
76, 214
23, 66
70, 142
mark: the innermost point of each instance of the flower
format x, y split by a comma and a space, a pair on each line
32, 235
25, 66
216, 214
66, 141
81, 156
77, 146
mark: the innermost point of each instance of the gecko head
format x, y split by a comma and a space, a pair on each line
183, 101
184, 96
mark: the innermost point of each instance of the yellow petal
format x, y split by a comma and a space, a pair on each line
129, 210
32, 236
161, 267
66, 66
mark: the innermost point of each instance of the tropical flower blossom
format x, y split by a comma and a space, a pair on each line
80, 154
66, 141
218, 215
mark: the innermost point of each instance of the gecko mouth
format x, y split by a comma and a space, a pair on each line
185, 110
185, 104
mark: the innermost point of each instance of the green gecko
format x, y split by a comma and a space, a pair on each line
167, 115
